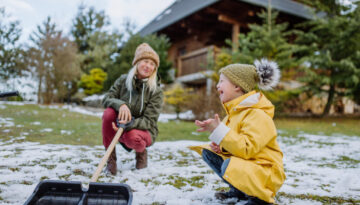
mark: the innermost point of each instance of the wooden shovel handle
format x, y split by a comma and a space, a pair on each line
107, 154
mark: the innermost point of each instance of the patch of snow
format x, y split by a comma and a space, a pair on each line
17, 103
82, 110
93, 97
6, 122
68, 132
188, 115
317, 165
46, 130
51, 106
36, 123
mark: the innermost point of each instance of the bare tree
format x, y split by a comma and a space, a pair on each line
54, 61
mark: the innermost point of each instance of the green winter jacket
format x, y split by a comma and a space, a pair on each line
145, 106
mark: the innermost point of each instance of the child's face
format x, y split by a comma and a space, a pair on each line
227, 90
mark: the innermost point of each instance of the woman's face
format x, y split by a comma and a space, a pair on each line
145, 68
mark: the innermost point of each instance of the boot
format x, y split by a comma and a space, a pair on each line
111, 163
141, 159
232, 193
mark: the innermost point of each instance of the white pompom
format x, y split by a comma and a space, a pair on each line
268, 72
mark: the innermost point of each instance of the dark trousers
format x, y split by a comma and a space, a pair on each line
219, 166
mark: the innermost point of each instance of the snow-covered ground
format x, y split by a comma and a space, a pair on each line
315, 164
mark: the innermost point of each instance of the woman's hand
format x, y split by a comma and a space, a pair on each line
114, 127
215, 147
208, 125
124, 114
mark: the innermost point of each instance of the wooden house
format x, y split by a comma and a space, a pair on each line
195, 26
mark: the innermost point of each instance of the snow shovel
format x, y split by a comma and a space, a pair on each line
56, 192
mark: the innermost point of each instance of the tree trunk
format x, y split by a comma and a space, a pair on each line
177, 110
39, 90
329, 100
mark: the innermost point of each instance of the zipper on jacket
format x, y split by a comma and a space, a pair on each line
142, 97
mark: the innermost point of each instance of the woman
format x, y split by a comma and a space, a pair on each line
136, 94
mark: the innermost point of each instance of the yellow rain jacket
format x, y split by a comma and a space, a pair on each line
256, 166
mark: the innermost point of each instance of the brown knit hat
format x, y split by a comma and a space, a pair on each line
145, 51
265, 73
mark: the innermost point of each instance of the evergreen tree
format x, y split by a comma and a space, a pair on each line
98, 46
268, 40
104, 49
86, 23
271, 40
331, 49
10, 50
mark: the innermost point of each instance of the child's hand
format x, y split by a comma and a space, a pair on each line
208, 125
215, 147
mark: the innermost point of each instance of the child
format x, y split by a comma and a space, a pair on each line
244, 151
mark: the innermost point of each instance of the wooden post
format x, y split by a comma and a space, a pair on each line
235, 37
235, 29
179, 66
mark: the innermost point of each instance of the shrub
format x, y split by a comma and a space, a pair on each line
205, 106
178, 97
93, 83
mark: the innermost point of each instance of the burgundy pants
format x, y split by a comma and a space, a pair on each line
134, 139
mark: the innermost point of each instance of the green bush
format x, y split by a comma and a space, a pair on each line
93, 83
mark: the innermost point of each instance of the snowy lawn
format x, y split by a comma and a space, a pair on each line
320, 169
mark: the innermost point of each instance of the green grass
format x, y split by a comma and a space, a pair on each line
322, 126
86, 130
322, 199
180, 130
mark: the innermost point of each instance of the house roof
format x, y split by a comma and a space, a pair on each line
183, 8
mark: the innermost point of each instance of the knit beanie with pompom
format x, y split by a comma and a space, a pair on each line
265, 73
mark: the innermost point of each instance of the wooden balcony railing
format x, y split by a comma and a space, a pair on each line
195, 61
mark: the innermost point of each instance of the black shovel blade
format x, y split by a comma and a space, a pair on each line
53, 192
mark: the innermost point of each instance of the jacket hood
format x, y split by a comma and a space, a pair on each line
250, 100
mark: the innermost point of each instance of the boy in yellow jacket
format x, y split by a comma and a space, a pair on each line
243, 149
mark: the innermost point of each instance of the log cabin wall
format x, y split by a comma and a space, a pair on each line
209, 25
